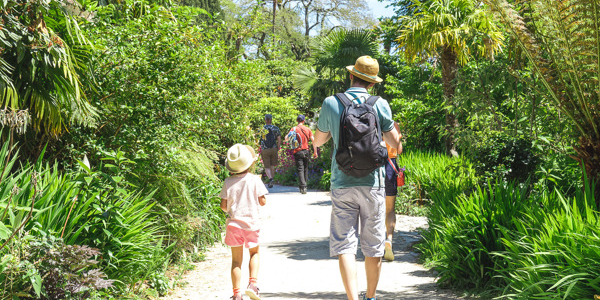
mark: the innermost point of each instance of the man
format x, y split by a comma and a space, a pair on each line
301, 154
270, 142
391, 191
357, 198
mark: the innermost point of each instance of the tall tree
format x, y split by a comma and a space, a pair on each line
323, 14
451, 31
561, 41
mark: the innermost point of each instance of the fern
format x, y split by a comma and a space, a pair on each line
564, 52
561, 41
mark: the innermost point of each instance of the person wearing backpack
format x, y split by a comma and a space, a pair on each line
356, 121
270, 142
298, 138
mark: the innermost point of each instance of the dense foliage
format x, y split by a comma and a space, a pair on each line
116, 116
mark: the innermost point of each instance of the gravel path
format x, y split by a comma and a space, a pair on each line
295, 262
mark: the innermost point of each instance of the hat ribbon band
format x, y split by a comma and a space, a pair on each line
361, 73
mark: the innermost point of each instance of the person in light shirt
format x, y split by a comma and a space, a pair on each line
242, 196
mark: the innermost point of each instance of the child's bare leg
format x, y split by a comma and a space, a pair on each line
237, 256
254, 260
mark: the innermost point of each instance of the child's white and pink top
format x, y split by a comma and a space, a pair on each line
242, 192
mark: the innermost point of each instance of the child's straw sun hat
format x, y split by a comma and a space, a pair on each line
240, 158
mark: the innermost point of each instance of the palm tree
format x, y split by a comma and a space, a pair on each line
452, 31
39, 71
331, 54
564, 53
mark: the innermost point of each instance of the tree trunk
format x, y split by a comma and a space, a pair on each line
449, 71
588, 153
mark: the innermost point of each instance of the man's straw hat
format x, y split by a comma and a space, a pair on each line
239, 158
366, 68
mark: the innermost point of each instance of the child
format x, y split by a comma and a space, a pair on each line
240, 198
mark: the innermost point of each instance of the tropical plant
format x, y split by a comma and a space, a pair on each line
553, 253
97, 208
452, 31
560, 41
41, 71
331, 54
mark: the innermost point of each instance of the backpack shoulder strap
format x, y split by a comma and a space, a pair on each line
344, 99
372, 99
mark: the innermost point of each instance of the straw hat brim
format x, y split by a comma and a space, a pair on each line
246, 165
362, 76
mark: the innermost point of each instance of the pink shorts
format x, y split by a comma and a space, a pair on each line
235, 237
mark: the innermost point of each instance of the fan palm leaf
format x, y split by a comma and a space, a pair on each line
331, 54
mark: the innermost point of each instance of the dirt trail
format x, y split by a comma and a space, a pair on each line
295, 262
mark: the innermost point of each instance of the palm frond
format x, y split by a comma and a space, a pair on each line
564, 53
461, 25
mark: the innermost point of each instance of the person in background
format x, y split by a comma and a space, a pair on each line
301, 154
391, 191
270, 142
241, 197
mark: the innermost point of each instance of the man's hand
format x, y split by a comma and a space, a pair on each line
315, 154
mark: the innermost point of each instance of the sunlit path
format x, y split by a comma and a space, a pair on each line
295, 262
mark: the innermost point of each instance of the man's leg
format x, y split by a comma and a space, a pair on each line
348, 270
373, 269
272, 169
298, 157
372, 234
306, 160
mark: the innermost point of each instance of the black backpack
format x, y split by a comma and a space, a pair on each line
268, 139
360, 148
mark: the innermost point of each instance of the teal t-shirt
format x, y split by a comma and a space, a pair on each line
329, 121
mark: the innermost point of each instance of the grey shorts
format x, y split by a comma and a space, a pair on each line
349, 205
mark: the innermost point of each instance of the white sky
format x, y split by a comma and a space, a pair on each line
379, 10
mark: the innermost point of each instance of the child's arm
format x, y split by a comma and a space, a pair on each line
262, 200
224, 205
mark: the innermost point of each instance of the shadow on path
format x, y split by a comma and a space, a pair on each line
417, 294
318, 249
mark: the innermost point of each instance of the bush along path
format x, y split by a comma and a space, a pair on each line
295, 262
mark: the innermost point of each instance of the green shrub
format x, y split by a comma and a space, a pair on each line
463, 235
500, 156
43, 267
97, 208
427, 172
